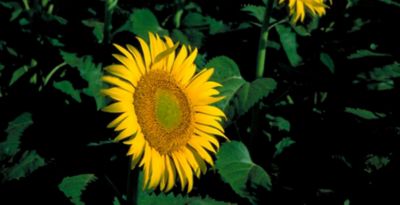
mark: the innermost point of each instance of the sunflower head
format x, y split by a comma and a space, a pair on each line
299, 8
165, 111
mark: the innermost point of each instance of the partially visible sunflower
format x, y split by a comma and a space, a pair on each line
165, 111
299, 8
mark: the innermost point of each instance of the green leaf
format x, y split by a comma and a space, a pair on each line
141, 22
195, 37
14, 131
283, 144
364, 114
256, 11
381, 78
375, 163
289, 43
224, 68
116, 201
73, 186
66, 87
391, 3
166, 199
90, 72
281, 123
239, 171
17, 74
29, 162
216, 26
179, 36
194, 19
226, 72
366, 53
148, 197
327, 61
98, 28
250, 93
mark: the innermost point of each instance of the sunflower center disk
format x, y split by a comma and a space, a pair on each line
163, 111
168, 111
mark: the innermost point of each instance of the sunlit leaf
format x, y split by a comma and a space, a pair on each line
364, 114
236, 168
29, 162
327, 61
15, 129
282, 145
73, 186
66, 87
289, 43
366, 53
250, 93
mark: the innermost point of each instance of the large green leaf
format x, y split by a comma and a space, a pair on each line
141, 22
29, 162
226, 72
90, 72
73, 186
236, 168
14, 131
66, 87
250, 93
289, 43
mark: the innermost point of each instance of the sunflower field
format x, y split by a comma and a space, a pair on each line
128, 102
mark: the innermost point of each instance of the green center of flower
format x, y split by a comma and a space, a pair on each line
168, 111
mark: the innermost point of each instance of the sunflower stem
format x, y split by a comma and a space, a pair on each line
261, 56
132, 186
108, 10
262, 42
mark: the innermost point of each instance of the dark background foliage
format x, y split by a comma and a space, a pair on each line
340, 119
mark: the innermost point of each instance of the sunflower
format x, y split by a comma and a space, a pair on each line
165, 111
299, 8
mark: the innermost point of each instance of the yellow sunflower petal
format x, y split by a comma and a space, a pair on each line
118, 107
118, 82
210, 110
146, 52
171, 173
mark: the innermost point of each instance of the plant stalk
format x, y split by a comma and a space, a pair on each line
132, 186
108, 10
262, 42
